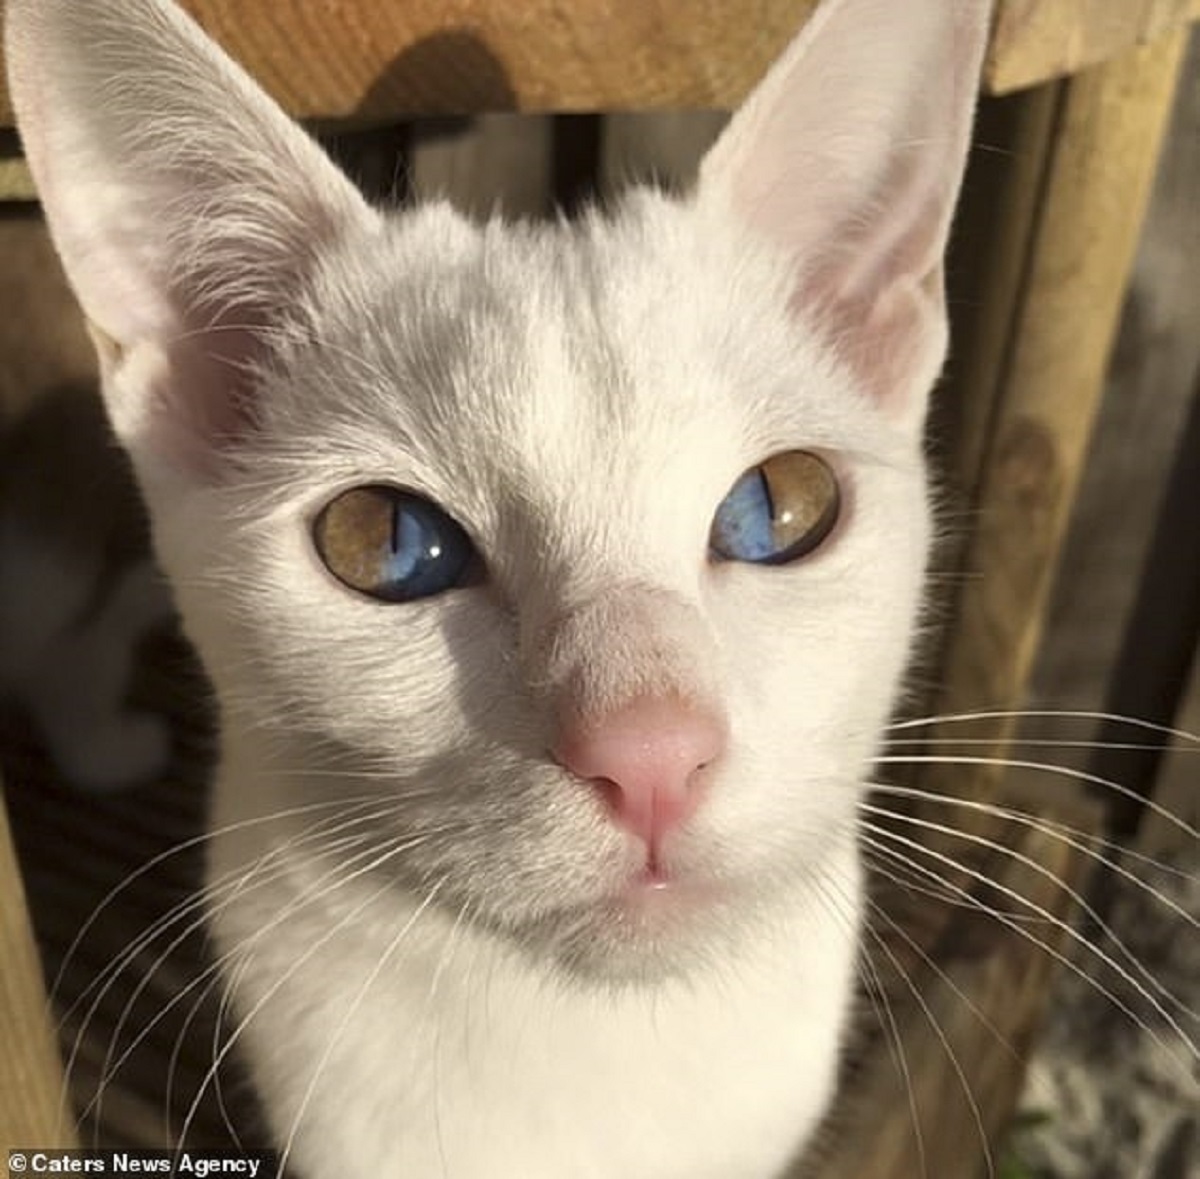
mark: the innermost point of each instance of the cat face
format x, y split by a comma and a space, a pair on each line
580, 401
621, 726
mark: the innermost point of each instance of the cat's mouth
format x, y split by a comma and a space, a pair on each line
661, 896
648, 928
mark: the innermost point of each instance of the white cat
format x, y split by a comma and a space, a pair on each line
556, 584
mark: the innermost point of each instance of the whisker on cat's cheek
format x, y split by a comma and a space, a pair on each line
913, 848
1082, 842
234, 889
1051, 769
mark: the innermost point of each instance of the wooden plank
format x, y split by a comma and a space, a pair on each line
1164, 833
365, 61
1097, 184
991, 253
1035, 40
362, 60
30, 1071
16, 183
1150, 384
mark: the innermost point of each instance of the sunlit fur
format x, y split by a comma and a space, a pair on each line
472, 990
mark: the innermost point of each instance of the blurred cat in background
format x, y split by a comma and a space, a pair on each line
78, 591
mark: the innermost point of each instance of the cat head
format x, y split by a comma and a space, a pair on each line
592, 552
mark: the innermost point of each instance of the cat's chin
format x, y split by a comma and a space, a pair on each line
647, 931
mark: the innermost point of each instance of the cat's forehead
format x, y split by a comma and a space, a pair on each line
620, 348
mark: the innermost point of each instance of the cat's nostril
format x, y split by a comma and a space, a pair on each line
645, 760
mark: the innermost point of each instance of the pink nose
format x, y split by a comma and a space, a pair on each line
645, 759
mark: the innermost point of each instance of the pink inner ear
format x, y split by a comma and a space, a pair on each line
215, 379
879, 294
889, 344
847, 158
188, 210
189, 400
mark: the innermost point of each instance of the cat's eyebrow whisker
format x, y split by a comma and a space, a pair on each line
1073, 838
874, 832
1133, 722
1043, 767
287, 336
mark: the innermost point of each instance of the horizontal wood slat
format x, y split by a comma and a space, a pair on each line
367, 60
1035, 40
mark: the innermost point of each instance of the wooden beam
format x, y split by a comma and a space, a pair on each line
1035, 40
31, 1087
365, 61
16, 183
1059, 329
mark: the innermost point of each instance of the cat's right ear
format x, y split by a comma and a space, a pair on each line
847, 159
188, 210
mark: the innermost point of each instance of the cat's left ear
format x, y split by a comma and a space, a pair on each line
848, 157
190, 213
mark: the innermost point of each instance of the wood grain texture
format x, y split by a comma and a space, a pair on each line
1035, 40
30, 1071
368, 61
1060, 333
365, 60
1155, 364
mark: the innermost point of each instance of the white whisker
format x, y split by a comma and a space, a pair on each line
1048, 768
874, 832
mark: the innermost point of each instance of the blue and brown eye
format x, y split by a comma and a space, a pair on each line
393, 545
777, 512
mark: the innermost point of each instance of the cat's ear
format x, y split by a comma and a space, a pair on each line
848, 157
188, 210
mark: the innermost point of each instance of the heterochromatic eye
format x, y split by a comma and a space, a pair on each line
392, 544
778, 511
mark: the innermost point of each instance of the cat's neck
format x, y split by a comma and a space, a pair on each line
711, 1074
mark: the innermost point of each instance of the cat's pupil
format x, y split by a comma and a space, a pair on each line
777, 512
392, 544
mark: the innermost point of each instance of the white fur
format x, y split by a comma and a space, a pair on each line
581, 398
